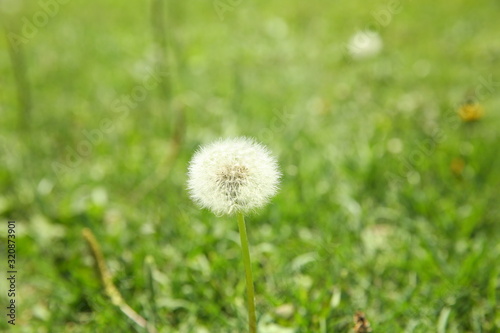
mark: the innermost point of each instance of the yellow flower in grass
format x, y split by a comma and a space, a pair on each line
470, 111
457, 166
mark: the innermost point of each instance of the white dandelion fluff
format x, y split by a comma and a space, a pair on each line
365, 44
233, 175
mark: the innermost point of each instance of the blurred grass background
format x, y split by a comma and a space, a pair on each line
389, 202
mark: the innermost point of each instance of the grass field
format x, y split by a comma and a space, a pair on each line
389, 202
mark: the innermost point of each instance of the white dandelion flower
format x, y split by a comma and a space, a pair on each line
365, 44
233, 175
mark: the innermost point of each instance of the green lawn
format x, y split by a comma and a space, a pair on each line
389, 202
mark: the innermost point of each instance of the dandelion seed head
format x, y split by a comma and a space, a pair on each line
233, 175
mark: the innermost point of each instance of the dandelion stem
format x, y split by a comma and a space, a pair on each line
252, 322
161, 43
19, 67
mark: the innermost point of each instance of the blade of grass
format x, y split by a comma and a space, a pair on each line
107, 281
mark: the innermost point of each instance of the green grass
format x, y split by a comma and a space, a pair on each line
357, 224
